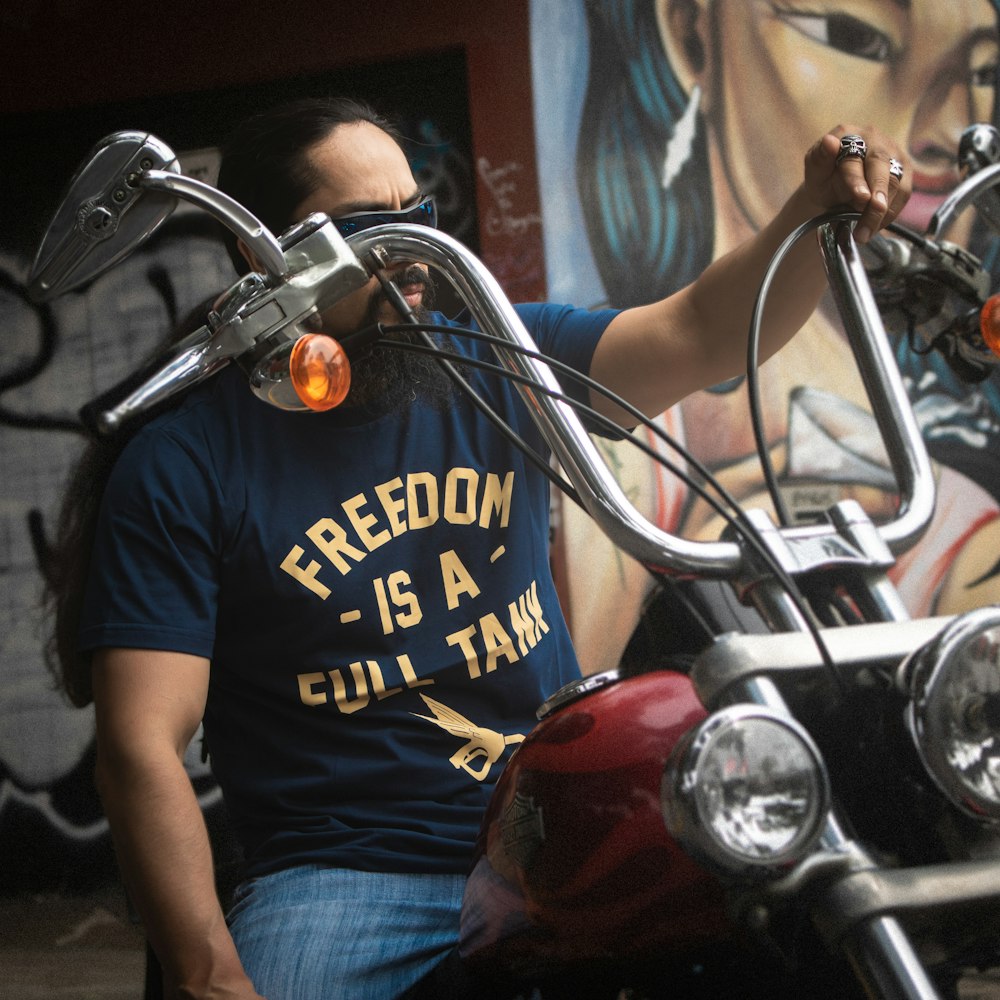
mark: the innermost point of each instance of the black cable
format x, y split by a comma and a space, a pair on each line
401, 306
738, 520
753, 359
753, 339
618, 401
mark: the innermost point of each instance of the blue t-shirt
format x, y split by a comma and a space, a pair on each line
375, 599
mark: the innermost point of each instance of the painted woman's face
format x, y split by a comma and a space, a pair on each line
784, 71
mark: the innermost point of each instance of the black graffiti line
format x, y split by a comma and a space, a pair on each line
41, 802
25, 372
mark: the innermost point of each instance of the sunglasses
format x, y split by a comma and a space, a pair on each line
424, 213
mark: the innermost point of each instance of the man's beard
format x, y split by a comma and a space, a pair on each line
388, 374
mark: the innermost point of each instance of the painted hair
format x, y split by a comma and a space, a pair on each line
648, 241
265, 166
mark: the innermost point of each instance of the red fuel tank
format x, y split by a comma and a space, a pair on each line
574, 862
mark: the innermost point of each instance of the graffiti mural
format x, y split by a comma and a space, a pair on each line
668, 132
56, 357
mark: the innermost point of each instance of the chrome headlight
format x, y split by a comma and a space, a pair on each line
746, 790
954, 710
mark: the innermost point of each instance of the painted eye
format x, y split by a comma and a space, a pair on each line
984, 76
841, 32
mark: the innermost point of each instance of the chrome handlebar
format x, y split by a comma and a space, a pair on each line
884, 386
557, 421
579, 457
312, 266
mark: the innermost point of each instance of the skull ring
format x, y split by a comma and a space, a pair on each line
852, 145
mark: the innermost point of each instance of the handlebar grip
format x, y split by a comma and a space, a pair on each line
102, 415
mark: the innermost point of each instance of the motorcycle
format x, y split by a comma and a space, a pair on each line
807, 798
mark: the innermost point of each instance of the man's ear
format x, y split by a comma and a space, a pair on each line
684, 33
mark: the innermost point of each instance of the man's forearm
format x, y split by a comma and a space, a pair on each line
655, 355
725, 294
166, 861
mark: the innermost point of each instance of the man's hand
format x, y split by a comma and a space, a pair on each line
865, 184
238, 988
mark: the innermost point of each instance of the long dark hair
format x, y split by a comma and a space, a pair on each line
65, 565
265, 164
265, 168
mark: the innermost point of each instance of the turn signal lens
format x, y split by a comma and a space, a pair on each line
320, 371
989, 323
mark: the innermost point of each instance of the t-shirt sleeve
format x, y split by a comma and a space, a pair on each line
570, 335
565, 332
153, 579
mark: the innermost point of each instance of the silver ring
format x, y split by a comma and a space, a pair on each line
895, 169
852, 145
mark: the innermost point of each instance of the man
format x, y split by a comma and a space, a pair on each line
358, 603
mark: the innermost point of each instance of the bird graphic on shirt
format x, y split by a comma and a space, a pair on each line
484, 746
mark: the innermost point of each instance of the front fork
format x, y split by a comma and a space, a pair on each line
877, 947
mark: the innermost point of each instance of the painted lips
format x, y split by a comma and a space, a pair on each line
929, 191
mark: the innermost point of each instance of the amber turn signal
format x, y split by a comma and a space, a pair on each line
320, 371
989, 323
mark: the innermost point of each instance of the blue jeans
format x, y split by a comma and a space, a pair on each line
315, 933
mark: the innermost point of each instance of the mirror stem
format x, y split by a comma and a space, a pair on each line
223, 208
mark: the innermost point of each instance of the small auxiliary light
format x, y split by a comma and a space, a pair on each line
308, 372
989, 323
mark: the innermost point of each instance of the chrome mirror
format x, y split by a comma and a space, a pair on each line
105, 214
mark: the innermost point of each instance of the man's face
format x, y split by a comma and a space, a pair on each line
362, 169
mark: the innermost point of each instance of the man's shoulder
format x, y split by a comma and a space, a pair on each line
537, 314
203, 414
